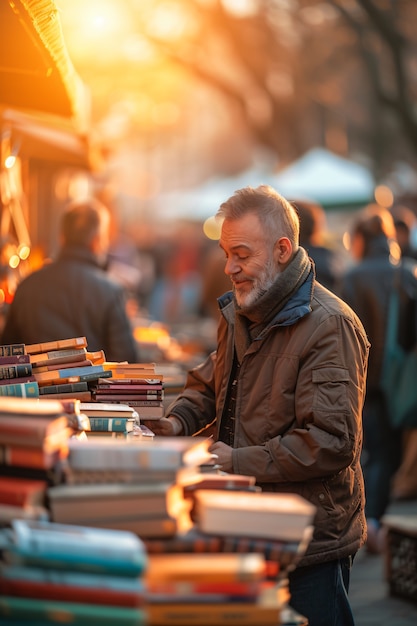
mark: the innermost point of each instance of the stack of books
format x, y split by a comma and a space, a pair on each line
135, 486
55, 369
54, 573
34, 435
112, 420
65, 368
211, 589
16, 377
134, 384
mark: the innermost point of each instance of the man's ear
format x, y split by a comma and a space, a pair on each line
282, 251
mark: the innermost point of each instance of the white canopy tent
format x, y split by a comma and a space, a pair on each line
326, 178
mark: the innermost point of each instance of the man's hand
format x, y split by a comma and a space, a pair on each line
224, 454
166, 426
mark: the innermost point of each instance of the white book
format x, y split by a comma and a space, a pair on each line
118, 454
280, 516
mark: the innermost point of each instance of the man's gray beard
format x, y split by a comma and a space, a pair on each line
263, 285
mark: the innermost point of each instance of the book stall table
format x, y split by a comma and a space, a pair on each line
401, 556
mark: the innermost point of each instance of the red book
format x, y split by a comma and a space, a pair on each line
49, 590
34, 458
14, 359
21, 491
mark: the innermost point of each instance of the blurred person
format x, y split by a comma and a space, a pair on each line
405, 223
404, 483
327, 262
366, 287
73, 296
283, 392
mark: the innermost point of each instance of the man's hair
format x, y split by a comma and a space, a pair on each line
82, 221
277, 216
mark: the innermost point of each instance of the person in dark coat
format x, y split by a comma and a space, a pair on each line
73, 296
366, 288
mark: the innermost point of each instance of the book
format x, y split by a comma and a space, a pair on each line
74, 547
29, 389
9, 512
92, 503
156, 527
198, 591
283, 516
129, 389
30, 457
71, 355
58, 356
205, 567
37, 582
12, 349
38, 431
207, 614
52, 366
165, 453
84, 396
29, 407
22, 492
112, 424
17, 380
107, 410
70, 372
63, 388
78, 476
60, 344
149, 412
17, 370
14, 359
18, 610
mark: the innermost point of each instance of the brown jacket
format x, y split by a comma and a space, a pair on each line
298, 411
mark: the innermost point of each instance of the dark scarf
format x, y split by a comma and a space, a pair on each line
250, 321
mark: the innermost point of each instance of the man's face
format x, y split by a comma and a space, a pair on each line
249, 258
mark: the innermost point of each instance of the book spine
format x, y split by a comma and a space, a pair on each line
63, 388
15, 371
62, 344
16, 359
20, 390
111, 424
12, 349
19, 379
36, 458
53, 366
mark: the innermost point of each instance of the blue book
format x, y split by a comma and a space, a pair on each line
81, 548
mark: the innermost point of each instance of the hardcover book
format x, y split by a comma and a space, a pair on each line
63, 388
37, 458
112, 424
93, 371
12, 349
28, 389
205, 567
73, 547
42, 612
22, 492
14, 359
50, 584
165, 453
91, 503
21, 370
282, 516
60, 344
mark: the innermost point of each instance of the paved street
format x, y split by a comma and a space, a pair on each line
369, 593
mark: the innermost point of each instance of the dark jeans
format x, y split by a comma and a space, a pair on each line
319, 593
381, 454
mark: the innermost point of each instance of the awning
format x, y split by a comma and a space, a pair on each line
36, 72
